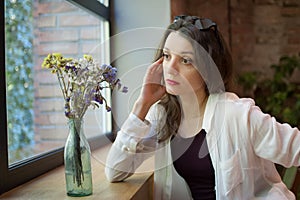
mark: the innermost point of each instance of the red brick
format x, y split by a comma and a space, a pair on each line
57, 118
266, 54
290, 49
292, 25
55, 133
46, 91
291, 2
58, 35
269, 34
90, 33
267, 15
41, 120
294, 40
178, 7
46, 21
268, 2
46, 77
77, 20
241, 5
290, 11
51, 105
42, 146
88, 47
64, 48
53, 7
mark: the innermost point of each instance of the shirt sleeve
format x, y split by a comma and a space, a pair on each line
279, 143
135, 142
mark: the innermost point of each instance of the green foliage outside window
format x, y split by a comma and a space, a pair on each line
19, 72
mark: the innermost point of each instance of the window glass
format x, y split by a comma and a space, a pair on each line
35, 106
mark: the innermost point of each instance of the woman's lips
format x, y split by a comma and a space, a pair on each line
171, 82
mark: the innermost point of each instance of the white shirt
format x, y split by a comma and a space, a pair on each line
243, 143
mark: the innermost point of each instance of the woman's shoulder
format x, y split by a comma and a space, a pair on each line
233, 99
232, 103
226, 106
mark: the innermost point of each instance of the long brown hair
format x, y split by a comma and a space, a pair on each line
210, 40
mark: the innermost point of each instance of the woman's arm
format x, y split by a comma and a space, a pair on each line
152, 90
129, 149
273, 141
136, 139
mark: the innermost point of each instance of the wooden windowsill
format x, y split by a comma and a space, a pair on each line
52, 185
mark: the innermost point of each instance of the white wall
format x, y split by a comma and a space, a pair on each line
137, 27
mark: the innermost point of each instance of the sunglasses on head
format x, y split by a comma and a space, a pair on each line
200, 23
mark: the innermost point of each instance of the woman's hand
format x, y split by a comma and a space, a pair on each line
152, 89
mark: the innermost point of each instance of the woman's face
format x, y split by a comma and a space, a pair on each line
180, 74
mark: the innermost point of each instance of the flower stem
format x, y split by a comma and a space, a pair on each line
77, 164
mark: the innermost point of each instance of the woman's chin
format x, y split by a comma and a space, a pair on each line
170, 91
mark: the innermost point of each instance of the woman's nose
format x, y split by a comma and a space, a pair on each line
171, 66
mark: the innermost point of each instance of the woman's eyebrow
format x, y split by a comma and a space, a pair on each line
187, 52
180, 53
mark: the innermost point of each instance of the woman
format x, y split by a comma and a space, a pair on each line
207, 142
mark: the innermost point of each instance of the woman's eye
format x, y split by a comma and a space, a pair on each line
166, 56
186, 61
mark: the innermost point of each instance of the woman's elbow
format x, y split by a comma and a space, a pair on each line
113, 175
110, 175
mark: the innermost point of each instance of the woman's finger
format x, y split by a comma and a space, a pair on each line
156, 66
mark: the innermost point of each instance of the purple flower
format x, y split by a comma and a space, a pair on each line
82, 81
98, 98
110, 76
108, 109
124, 89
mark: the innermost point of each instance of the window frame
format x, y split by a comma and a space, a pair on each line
18, 173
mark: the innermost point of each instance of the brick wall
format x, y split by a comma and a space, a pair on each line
259, 32
60, 27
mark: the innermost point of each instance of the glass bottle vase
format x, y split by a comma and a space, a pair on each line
77, 159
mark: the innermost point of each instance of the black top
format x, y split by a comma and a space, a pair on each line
192, 161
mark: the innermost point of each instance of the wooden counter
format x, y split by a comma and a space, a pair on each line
52, 185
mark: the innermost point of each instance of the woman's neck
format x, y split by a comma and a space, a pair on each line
193, 109
193, 106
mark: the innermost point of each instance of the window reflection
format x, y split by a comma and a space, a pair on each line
33, 29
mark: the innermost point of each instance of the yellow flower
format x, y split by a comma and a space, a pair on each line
89, 58
57, 56
46, 63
